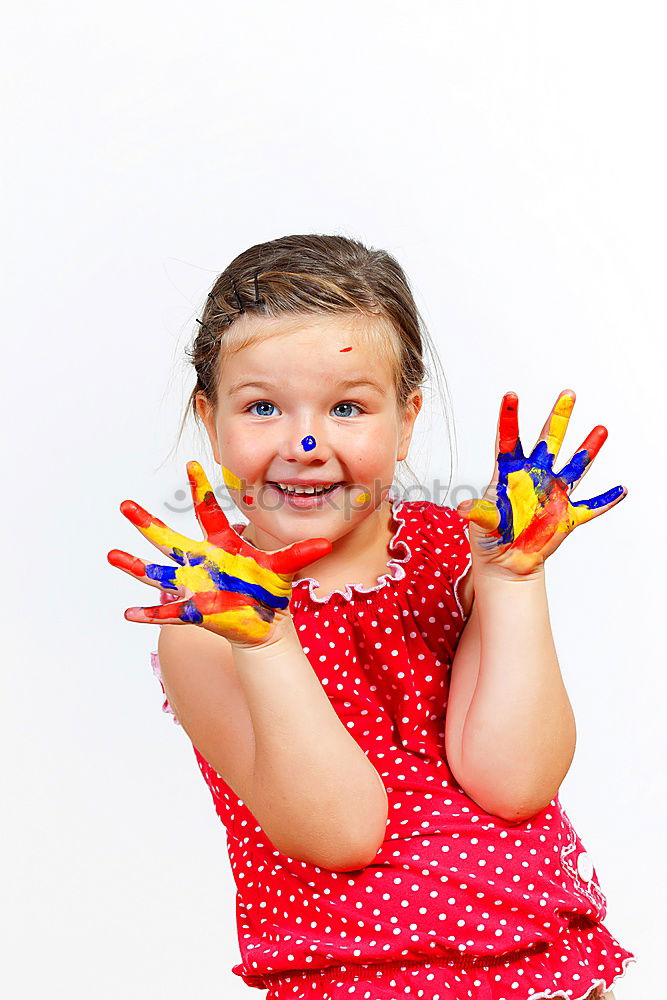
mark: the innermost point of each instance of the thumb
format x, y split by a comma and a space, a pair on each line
290, 560
482, 512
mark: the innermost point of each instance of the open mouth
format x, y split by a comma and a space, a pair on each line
319, 491
305, 501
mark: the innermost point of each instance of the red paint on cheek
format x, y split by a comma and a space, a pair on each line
248, 500
344, 349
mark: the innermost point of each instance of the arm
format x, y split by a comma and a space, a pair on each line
256, 708
312, 788
510, 731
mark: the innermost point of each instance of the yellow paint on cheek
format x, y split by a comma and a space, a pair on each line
521, 490
232, 481
363, 498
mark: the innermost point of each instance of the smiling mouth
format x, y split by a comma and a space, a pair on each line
318, 492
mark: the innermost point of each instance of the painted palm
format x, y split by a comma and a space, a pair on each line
526, 511
223, 583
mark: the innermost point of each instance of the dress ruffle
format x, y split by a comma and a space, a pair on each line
584, 960
395, 565
166, 707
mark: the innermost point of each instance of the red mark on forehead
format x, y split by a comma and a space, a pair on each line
344, 349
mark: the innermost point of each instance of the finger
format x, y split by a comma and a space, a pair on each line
550, 440
170, 613
586, 510
509, 453
169, 542
151, 573
210, 515
220, 608
576, 468
290, 560
482, 512
508, 424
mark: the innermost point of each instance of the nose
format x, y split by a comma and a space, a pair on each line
306, 444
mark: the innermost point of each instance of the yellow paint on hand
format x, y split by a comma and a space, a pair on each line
558, 424
521, 490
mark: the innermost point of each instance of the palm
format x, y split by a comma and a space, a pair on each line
526, 511
224, 584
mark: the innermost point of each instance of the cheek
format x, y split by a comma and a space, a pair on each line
374, 453
244, 455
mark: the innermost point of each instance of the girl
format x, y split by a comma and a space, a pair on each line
370, 685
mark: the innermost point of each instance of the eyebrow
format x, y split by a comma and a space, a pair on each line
343, 384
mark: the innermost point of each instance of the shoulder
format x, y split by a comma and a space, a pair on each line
434, 521
443, 536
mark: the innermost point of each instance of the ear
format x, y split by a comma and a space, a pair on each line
207, 415
412, 407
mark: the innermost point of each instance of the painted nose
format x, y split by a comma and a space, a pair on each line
305, 447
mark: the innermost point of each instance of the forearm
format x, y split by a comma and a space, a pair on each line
518, 736
314, 791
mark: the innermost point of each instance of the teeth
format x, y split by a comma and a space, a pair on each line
306, 490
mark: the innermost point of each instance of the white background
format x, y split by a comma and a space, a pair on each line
511, 156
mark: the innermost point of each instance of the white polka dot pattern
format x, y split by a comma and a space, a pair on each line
458, 903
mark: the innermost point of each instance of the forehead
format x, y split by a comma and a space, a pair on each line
325, 349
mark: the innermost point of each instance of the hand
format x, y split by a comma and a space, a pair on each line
225, 585
526, 510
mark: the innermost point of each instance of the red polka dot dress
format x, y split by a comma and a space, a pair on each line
458, 903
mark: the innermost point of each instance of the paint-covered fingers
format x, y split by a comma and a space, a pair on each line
554, 430
153, 574
586, 510
171, 613
576, 468
482, 512
234, 616
287, 562
169, 542
507, 437
210, 515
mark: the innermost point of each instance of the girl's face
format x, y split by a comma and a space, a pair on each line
304, 423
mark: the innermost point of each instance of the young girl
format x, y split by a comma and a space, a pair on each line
370, 685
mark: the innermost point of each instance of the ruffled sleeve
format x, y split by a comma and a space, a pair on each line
155, 664
447, 547
166, 707
457, 548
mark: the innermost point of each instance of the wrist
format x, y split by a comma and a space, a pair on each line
281, 634
484, 573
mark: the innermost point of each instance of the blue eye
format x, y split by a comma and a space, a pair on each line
265, 402
259, 403
350, 404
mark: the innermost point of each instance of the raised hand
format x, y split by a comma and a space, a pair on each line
224, 584
526, 511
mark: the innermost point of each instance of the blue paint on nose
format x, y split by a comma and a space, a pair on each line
308, 443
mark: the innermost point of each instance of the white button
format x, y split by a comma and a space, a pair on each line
585, 866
